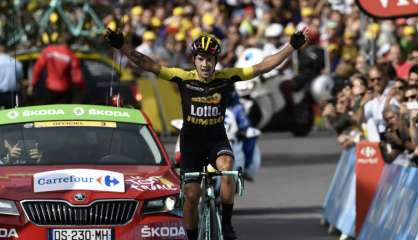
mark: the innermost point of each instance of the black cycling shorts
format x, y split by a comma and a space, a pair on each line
196, 154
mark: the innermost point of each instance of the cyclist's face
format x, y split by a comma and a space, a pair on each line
205, 65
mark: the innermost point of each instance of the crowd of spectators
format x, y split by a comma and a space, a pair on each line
164, 29
373, 63
380, 106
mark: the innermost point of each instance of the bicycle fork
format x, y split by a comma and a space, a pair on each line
205, 213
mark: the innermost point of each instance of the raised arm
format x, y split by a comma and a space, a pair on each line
297, 40
116, 40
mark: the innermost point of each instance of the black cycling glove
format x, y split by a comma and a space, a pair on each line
297, 40
115, 39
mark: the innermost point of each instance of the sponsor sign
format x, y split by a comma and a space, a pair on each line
393, 213
169, 230
389, 8
78, 179
153, 183
205, 111
213, 99
8, 233
369, 167
367, 155
74, 124
70, 112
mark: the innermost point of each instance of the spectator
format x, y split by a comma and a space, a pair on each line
411, 95
10, 75
413, 56
62, 68
396, 92
397, 138
358, 85
360, 65
397, 58
373, 109
413, 76
148, 44
340, 119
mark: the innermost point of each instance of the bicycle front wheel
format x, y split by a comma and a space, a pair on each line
215, 223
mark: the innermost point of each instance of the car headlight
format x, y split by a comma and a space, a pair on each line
169, 204
8, 207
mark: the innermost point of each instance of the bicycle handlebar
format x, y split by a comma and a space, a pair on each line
211, 174
237, 173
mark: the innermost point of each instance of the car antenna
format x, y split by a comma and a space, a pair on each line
14, 94
119, 61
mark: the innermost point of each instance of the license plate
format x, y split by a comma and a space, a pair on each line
81, 234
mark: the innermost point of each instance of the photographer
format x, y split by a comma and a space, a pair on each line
396, 139
413, 133
411, 95
340, 118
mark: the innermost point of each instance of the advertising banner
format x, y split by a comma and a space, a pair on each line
78, 179
389, 8
369, 167
394, 211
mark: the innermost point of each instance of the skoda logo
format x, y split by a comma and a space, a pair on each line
78, 111
79, 197
13, 114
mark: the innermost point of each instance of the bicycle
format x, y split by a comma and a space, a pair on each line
210, 227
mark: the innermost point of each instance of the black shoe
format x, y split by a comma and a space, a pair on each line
228, 232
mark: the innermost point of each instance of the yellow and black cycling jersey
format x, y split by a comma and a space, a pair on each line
204, 102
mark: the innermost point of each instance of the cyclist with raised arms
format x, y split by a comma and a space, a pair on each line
203, 92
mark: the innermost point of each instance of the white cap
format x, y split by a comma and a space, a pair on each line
384, 49
273, 30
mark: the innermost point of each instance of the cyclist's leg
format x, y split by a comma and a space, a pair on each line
190, 163
222, 156
225, 162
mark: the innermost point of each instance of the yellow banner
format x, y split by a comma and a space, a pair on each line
74, 124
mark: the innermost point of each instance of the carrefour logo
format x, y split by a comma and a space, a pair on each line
108, 181
79, 179
368, 151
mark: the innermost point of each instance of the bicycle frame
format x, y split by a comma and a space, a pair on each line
207, 203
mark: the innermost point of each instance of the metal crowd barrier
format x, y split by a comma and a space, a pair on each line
339, 204
393, 209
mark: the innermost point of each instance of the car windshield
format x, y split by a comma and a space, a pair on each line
78, 142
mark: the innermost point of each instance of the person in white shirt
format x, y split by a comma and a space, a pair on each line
373, 109
10, 74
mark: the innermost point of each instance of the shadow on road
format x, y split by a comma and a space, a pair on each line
280, 223
294, 160
269, 211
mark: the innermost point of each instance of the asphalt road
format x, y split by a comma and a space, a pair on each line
285, 200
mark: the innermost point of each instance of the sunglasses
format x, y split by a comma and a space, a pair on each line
375, 79
400, 88
412, 97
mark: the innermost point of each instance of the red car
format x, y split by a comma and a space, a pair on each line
85, 172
